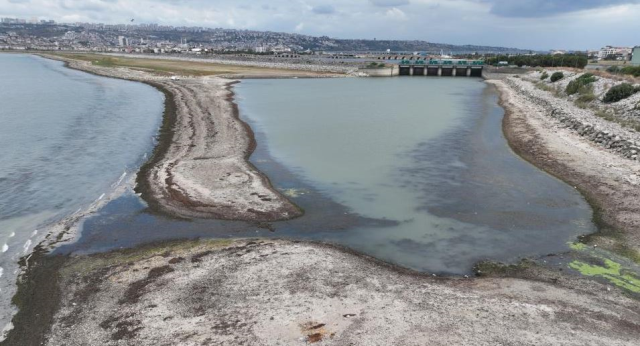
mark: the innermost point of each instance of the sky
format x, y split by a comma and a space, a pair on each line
527, 24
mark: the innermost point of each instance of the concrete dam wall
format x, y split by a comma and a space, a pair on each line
424, 70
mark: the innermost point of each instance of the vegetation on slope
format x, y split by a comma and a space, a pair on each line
566, 60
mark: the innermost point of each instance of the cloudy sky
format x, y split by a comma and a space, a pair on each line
533, 24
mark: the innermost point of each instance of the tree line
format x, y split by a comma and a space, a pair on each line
560, 60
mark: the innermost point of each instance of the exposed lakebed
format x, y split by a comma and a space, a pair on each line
414, 171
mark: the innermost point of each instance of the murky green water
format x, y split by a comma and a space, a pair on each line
427, 153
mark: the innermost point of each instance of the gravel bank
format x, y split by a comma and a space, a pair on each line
584, 122
201, 169
291, 293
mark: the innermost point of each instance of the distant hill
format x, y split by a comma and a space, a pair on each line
330, 44
104, 35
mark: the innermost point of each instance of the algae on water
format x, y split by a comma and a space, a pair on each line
611, 271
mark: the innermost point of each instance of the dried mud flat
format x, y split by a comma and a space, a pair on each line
292, 293
200, 169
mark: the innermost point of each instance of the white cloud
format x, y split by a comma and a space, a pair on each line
449, 21
389, 3
395, 14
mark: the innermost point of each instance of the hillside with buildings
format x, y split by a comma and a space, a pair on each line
34, 34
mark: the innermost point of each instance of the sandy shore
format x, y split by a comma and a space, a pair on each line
200, 167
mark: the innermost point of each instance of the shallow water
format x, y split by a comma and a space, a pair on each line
415, 171
67, 137
426, 152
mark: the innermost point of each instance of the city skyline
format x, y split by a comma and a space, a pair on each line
533, 24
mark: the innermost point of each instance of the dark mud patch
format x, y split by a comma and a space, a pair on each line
198, 257
165, 135
37, 298
126, 330
176, 260
138, 288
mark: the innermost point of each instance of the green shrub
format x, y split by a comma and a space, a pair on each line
376, 65
613, 69
631, 70
619, 92
548, 60
556, 76
587, 78
544, 76
543, 86
586, 98
580, 83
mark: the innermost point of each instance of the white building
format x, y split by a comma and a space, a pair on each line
281, 49
123, 41
609, 50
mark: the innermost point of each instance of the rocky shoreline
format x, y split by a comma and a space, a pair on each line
583, 122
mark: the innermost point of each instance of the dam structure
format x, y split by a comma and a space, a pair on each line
431, 67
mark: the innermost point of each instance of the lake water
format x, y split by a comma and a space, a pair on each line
426, 153
67, 137
411, 170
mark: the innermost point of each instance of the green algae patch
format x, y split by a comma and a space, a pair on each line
294, 193
611, 271
577, 246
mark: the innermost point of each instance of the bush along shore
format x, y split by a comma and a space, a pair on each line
596, 123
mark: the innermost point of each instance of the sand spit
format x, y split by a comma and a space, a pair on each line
203, 172
603, 172
292, 293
